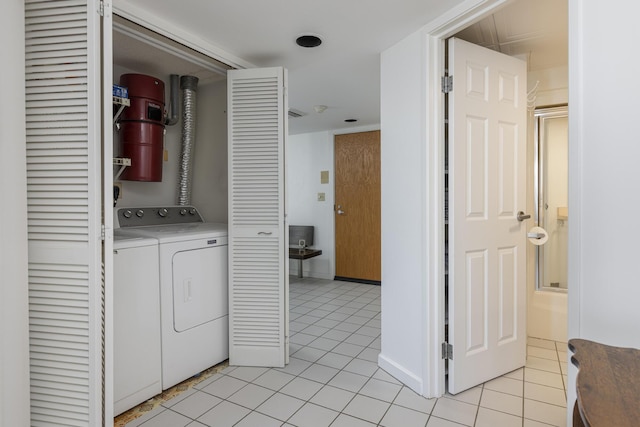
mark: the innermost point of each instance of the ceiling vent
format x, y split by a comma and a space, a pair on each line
296, 113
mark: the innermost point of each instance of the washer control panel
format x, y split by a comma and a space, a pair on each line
140, 217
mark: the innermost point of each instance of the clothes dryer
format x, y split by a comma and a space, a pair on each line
193, 286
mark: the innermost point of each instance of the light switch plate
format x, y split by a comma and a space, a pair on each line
321, 197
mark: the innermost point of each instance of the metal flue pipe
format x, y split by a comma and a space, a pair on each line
189, 86
174, 99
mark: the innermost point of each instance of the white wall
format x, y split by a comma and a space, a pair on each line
553, 86
210, 182
14, 332
209, 192
307, 155
604, 194
403, 210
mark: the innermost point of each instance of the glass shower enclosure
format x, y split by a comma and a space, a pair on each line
551, 187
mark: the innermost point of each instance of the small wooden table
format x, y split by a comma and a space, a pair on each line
302, 254
608, 385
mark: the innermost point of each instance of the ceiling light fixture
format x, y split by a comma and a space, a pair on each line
319, 108
308, 40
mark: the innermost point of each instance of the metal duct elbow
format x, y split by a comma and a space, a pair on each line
189, 86
174, 99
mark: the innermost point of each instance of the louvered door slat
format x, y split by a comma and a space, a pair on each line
258, 271
62, 82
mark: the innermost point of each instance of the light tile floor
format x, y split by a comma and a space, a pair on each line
333, 379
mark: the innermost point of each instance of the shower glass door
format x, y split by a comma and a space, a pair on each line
551, 134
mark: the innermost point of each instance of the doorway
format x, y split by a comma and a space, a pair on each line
547, 288
357, 208
552, 212
555, 92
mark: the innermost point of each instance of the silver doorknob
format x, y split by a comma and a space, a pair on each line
340, 212
522, 216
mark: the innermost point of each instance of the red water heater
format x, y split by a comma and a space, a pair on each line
142, 128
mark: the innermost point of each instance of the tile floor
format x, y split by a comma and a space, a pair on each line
333, 379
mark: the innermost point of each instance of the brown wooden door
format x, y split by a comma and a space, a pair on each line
357, 208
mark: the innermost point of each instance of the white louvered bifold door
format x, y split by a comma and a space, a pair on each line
258, 253
63, 125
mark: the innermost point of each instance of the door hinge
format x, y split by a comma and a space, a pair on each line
102, 232
447, 84
101, 8
447, 351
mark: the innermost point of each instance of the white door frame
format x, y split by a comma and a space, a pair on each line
453, 21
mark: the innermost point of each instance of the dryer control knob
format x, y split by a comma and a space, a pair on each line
140, 213
192, 211
127, 213
183, 211
163, 212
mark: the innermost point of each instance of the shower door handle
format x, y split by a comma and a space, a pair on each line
522, 216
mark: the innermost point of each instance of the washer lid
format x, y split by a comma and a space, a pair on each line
124, 240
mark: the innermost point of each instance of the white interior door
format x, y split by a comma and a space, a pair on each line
258, 247
487, 188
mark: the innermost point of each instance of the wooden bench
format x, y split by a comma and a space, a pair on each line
301, 254
607, 386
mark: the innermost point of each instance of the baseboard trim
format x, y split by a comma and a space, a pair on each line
401, 374
311, 275
351, 279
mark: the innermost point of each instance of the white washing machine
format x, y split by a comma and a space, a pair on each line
193, 286
136, 321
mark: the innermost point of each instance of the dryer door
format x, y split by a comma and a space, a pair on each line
200, 292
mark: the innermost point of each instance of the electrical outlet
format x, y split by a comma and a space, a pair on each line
321, 197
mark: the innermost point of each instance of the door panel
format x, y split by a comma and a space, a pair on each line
67, 292
258, 260
487, 166
357, 213
198, 294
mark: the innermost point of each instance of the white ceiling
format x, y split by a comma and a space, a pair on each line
535, 29
344, 72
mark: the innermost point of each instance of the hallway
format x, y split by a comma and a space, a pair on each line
333, 379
